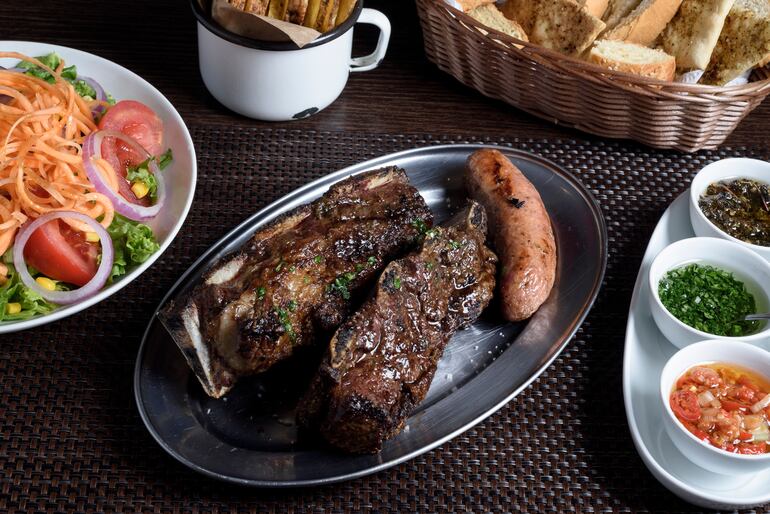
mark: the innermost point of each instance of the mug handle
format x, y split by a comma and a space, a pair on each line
371, 61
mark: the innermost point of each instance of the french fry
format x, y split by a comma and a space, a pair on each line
278, 9
327, 15
258, 7
345, 10
313, 6
296, 11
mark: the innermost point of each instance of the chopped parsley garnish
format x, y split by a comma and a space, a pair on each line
359, 267
397, 282
429, 265
292, 305
372, 261
318, 259
431, 233
341, 283
420, 225
279, 266
261, 293
283, 317
708, 299
454, 244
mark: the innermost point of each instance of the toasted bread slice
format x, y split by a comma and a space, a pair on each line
765, 61
493, 18
295, 11
645, 23
633, 58
258, 7
693, 33
469, 5
743, 43
595, 7
617, 10
344, 12
561, 25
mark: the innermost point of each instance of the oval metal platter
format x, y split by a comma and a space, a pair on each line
249, 436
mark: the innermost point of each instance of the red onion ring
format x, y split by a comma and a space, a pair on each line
101, 96
92, 149
64, 297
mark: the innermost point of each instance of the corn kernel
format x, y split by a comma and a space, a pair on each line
46, 283
140, 189
12, 308
92, 237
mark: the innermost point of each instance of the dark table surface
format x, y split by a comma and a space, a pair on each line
70, 437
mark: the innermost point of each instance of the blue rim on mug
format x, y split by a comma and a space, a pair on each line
205, 19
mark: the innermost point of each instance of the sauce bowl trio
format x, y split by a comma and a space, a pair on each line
715, 391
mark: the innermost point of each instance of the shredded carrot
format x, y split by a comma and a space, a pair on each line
42, 129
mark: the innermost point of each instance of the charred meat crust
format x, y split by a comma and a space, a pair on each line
297, 276
381, 361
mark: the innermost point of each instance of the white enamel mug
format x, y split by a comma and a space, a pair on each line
277, 81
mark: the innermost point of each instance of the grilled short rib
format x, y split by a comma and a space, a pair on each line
297, 277
381, 361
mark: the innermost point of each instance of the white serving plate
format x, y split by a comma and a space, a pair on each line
180, 175
646, 352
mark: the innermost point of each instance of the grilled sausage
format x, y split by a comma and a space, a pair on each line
520, 230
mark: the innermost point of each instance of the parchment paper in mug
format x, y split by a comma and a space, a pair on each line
261, 28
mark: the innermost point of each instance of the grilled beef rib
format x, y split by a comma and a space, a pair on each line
296, 277
381, 361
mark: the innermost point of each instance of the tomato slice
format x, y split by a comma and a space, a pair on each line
752, 448
138, 121
61, 253
685, 405
731, 406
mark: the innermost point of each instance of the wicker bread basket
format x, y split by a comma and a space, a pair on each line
582, 95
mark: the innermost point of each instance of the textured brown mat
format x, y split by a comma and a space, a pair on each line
71, 439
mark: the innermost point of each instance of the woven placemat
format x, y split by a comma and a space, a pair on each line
71, 439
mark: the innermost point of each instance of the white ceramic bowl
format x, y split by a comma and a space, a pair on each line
724, 170
746, 266
180, 176
700, 452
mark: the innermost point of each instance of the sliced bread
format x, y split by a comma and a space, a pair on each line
560, 25
645, 23
493, 18
633, 58
693, 33
469, 5
765, 61
743, 43
617, 10
595, 7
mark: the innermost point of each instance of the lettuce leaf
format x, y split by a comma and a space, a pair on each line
133, 242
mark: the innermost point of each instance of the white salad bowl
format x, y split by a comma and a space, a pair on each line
745, 265
700, 452
725, 169
180, 176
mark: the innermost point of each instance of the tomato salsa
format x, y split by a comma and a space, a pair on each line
725, 405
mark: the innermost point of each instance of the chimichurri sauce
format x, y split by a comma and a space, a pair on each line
740, 207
